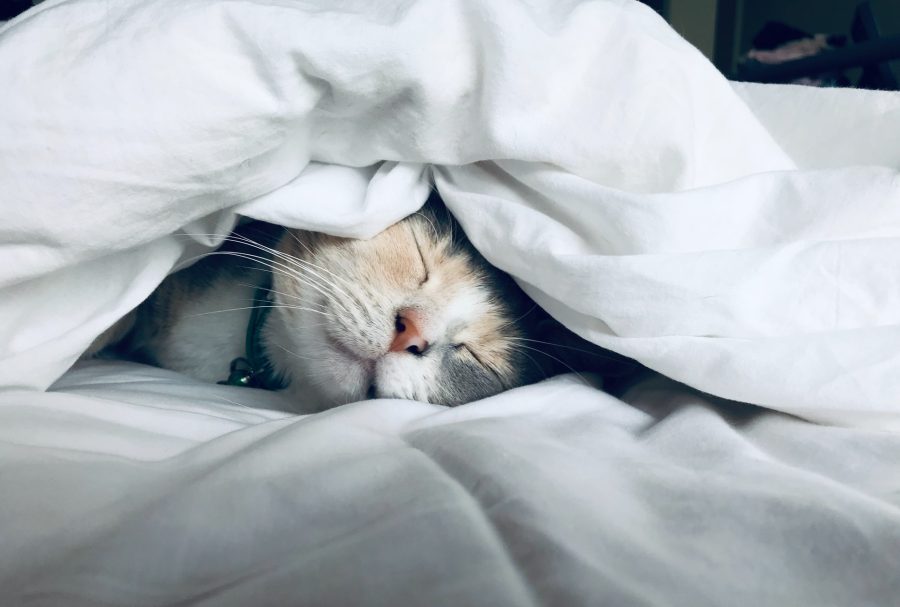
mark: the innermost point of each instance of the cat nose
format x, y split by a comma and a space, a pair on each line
408, 336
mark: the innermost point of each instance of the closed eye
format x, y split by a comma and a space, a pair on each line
471, 352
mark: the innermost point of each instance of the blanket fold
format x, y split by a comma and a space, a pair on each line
716, 232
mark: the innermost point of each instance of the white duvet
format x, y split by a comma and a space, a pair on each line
741, 239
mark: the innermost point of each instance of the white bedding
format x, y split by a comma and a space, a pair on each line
742, 239
127, 485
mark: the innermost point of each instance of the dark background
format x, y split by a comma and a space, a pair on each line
724, 29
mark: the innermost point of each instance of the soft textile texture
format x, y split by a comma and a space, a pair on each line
710, 232
172, 493
740, 238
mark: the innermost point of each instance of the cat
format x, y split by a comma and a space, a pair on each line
414, 313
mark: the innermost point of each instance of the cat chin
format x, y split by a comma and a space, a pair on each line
402, 375
329, 380
324, 372
336, 378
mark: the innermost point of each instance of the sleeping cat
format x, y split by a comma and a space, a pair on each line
413, 313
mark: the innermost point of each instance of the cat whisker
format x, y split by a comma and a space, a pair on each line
287, 295
333, 291
296, 269
235, 403
311, 254
560, 361
291, 406
434, 229
531, 358
294, 354
327, 297
283, 257
450, 223
512, 322
573, 348
357, 288
326, 289
281, 268
301, 243
290, 259
255, 307
291, 275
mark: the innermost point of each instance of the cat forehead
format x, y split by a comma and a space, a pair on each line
458, 291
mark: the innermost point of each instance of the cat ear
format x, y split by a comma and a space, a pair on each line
566, 352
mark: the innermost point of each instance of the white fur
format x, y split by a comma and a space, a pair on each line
203, 328
403, 375
467, 304
323, 375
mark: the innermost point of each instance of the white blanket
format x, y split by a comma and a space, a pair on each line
133, 486
712, 233
741, 239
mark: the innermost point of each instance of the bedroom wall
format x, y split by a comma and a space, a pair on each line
826, 16
696, 21
724, 29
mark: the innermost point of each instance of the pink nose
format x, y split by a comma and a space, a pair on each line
408, 336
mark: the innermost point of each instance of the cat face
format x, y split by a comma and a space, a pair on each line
414, 313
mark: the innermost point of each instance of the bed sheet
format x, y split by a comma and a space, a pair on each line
135, 486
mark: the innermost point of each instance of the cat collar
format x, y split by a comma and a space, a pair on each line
254, 370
